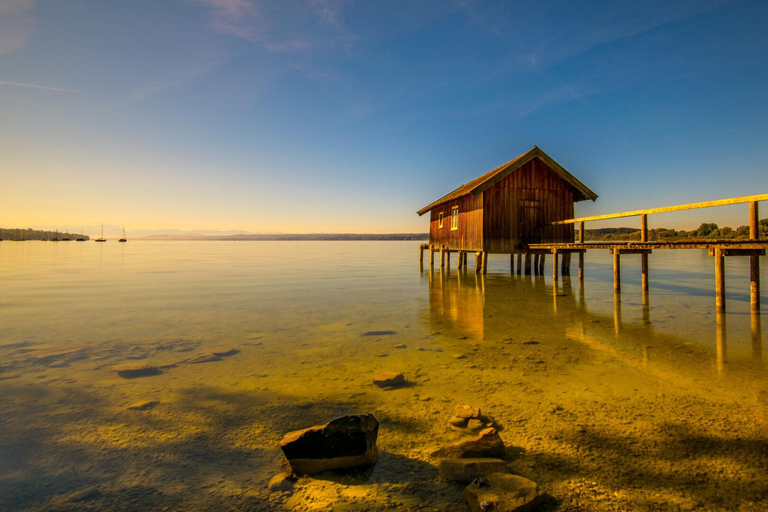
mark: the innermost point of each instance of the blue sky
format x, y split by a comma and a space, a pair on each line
348, 116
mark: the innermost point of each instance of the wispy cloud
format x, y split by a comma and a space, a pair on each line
16, 24
36, 86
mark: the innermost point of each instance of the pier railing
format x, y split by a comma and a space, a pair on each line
754, 234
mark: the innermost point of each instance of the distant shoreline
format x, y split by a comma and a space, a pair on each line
283, 237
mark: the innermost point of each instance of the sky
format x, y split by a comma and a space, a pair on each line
349, 116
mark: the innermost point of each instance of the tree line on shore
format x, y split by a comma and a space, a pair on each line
707, 230
36, 234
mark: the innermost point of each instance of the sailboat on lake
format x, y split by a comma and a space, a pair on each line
101, 238
124, 239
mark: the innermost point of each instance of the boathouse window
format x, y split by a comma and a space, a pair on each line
454, 218
440, 219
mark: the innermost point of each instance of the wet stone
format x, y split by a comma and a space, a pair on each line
501, 492
345, 443
458, 422
467, 470
378, 333
385, 379
487, 444
467, 411
131, 371
224, 351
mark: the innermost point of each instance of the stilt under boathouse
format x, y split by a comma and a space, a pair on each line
504, 211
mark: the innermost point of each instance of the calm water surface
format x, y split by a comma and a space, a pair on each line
609, 404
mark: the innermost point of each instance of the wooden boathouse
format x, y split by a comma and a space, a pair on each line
506, 209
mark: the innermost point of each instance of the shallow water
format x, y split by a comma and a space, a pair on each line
608, 404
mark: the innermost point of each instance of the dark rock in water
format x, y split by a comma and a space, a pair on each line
131, 371
144, 405
531, 342
282, 482
388, 379
224, 351
487, 444
203, 358
458, 422
378, 333
501, 492
345, 443
467, 470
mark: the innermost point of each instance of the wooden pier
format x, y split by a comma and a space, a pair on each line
753, 247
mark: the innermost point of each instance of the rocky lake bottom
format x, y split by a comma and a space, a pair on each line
606, 406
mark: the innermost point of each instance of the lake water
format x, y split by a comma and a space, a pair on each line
608, 404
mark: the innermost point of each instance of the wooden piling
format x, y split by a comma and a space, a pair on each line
644, 272
448, 259
581, 266
541, 264
564, 264
442, 256
581, 232
519, 263
554, 267
512, 263
431, 256
536, 264
754, 232
465, 259
421, 254
527, 263
754, 282
616, 270
478, 262
485, 262
644, 227
719, 280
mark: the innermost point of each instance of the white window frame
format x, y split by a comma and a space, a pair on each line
454, 218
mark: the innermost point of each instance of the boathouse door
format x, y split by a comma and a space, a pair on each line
530, 222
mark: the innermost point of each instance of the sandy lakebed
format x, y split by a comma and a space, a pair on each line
604, 411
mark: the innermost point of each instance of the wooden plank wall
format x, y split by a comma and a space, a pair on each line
469, 236
519, 209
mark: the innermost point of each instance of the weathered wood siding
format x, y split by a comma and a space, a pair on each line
519, 209
469, 236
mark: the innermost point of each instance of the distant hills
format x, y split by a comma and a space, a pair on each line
295, 237
37, 234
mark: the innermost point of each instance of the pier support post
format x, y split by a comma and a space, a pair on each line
616, 271
421, 254
554, 267
465, 259
581, 232
448, 259
512, 263
461, 260
536, 264
754, 234
431, 256
754, 282
478, 262
644, 228
442, 257
719, 281
644, 272
581, 266
541, 264
527, 263
485, 262
519, 263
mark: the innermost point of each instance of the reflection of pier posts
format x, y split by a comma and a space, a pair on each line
644, 277
581, 266
460, 263
527, 263
757, 337
754, 282
617, 313
512, 263
554, 266
721, 343
485, 262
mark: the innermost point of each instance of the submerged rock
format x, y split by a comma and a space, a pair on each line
386, 379
378, 333
131, 371
224, 351
348, 442
203, 358
143, 405
467, 470
501, 492
487, 444
467, 411
282, 482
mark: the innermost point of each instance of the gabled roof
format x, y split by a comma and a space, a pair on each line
489, 179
